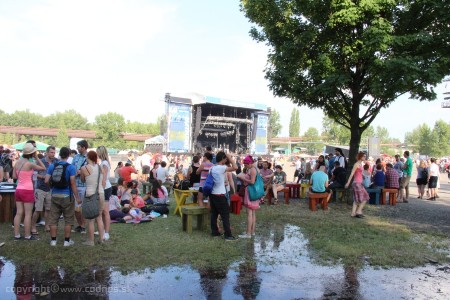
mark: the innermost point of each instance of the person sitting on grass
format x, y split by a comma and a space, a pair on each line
125, 199
133, 214
115, 209
136, 200
159, 194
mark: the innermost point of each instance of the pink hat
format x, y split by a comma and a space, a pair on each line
248, 160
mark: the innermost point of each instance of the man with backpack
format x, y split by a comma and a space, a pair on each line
61, 176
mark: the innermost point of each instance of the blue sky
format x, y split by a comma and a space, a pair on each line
123, 56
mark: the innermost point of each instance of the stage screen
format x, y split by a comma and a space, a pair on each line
179, 127
261, 134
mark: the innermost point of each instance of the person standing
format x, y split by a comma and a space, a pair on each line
203, 170
422, 178
360, 195
218, 200
43, 193
125, 172
340, 157
105, 164
249, 178
23, 171
145, 163
62, 200
433, 178
92, 176
403, 192
79, 161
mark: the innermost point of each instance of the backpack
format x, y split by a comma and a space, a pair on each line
209, 185
58, 178
184, 185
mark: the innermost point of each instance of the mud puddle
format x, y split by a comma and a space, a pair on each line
276, 267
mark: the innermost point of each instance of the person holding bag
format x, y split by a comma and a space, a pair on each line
249, 178
92, 175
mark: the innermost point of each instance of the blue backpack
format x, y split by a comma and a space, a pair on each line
208, 186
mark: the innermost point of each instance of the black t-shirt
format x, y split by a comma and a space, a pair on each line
340, 175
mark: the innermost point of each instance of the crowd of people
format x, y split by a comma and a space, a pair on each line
121, 198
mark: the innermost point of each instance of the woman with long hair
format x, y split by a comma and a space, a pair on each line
23, 171
203, 170
90, 175
105, 163
360, 195
247, 178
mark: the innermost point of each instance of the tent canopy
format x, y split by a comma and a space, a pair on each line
39, 145
159, 139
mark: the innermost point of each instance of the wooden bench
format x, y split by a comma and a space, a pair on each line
188, 212
315, 198
377, 192
285, 191
392, 196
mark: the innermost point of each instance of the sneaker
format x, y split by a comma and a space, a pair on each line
83, 230
17, 238
216, 235
106, 236
31, 238
231, 238
68, 243
88, 243
41, 223
53, 243
2, 244
95, 232
245, 236
76, 229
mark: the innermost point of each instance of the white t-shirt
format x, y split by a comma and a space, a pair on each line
298, 165
218, 173
434, 170
161, 174
106, 163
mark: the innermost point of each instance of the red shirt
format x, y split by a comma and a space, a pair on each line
125, 173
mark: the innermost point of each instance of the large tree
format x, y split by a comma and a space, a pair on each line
294, 124
351, 58
274, 127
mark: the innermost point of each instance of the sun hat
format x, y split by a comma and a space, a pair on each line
248, 160
28, 148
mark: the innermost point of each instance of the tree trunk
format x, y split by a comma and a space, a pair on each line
355, 140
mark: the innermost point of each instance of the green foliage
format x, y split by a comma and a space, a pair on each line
433, 142
311, 140
294, 124
108, 128
69, 119
274, 127
24, 118
352, 58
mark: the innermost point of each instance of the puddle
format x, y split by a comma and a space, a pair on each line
277, 266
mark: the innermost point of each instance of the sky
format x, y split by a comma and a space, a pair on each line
101, 56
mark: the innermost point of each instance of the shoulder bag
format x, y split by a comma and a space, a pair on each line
256, 190
90, 206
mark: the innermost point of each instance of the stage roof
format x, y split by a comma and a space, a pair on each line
201, 99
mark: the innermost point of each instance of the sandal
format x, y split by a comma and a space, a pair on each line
275, 202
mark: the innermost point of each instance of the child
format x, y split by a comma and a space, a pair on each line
136, 200
366, 176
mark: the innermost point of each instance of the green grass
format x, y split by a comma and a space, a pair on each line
333, 237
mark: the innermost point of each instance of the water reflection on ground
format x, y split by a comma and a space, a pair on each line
276, 266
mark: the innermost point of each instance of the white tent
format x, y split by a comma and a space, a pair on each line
156, 140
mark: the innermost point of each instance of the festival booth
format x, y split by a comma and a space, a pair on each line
156, 144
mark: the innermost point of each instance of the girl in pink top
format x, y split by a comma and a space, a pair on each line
360, 195
23, 171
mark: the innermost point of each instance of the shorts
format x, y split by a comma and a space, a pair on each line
81, 193
432, 183
421, 181
43, 199
108, 193
25, 196
327, 190
62, 204
404, 181
145, 169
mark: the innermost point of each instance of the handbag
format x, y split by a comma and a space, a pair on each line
90, 208
256, 190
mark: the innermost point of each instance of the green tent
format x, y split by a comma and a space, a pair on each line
40, 146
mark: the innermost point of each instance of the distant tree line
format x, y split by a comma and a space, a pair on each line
108, 128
